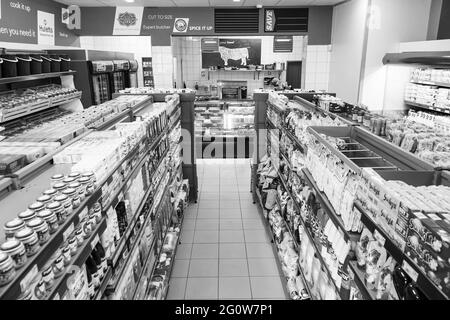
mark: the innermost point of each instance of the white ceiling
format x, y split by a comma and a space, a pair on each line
199, 3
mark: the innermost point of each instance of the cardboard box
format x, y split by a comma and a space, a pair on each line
10, 163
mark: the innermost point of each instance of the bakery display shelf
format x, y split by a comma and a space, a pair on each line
325, 204
37, 262
311, 238
427, 107
432, 83
36, 77
417, 275
358, 276
124, 239
60, 286
112, 286
101, 290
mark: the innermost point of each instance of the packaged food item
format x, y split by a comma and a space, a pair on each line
16, 250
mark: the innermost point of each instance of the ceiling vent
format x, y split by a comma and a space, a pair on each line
286, 20
236, 20
210, 45
283, 43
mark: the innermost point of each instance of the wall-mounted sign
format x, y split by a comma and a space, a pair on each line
46, 28
128, 21
181, 25
269, 25
71, 17
234, 53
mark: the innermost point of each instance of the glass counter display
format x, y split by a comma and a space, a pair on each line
225, 129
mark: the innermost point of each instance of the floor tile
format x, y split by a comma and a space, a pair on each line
202, 288
267, 287
246, 197
187, 236
231, 236
256, 236
263, 267
214, 190
180, 268
202, 268
177, 289
230, 204
208, 204
184, 251
209, 196
207, 224
205, 251
234, 288
189, 225
229, 196
211, 236
208, 214
232, 251
231, 224
249, 214
233, 268
252, 224
259, 250
229, 189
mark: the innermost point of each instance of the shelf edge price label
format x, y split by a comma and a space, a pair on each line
95, 241
68, 232
410, 271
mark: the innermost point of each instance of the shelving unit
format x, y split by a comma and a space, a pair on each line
426, 107
36, 77
255, 72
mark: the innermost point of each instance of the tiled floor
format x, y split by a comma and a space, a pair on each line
225, 251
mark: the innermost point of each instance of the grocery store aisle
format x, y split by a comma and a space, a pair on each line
225, 251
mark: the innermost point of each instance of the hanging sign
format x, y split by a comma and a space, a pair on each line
46, 28
128, 21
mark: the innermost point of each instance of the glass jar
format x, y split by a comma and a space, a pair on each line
30, 240
97, 211
66, 255
87, 226
40, 291
57, 208
11, 227
27, 215
84, 181
48, 276
41, 228
36, 207
73, 245
66, 203
90, 189
80, 236
89, 175
57, 178
7, 271
16, 250
50, 192
69, 180
58, 266
45, 199
51, 219
77, 186
366, 120
93, 219
60, 187
75, 175
70, 193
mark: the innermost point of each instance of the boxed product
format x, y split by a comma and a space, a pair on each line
10, 163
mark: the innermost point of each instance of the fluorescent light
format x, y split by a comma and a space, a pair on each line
283, 40
129, 1
236, 0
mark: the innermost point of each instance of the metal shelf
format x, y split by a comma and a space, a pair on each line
36, 77
426, 107
358, 277
432, 83
101, 290
423, 282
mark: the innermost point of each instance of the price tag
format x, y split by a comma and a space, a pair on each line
379, 237
95, 241
410, 271
26, 281
68, 232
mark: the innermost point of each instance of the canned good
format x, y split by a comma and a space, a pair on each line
7, 271
36, 207
45, 199
30, 240
48, 276
40, 226
57, 178
51, 219
11, 227
16, 250
27, 215
57, 208
60, 187
73, 245
50, 192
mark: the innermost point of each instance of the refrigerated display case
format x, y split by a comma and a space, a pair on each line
101, 86
120, 76
224, 127
133, 73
